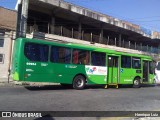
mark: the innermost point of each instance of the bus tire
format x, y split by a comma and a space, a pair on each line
136, 83
79, 82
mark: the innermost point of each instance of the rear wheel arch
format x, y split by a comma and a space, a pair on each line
81, 75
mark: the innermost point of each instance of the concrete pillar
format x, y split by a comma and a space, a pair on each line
24, 17
115, 41
129, 44
82, 34
123, 43
101, 34
141, 46
108, 41
72, 32
48, 28
18, 26
52, 24
120, 40
79, 29
92, 38
61, 32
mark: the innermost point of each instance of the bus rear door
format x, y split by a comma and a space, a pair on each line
145, 71
113, 69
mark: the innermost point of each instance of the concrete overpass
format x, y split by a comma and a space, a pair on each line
56, 17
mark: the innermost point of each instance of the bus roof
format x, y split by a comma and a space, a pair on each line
82, 46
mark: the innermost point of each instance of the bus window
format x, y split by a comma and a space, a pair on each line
60, 54
136, 63
157, 72
158, 66
36, 52
80, 57
125, 61
98, 59
151, 67
113, 61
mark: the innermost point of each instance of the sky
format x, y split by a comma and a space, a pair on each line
145, 13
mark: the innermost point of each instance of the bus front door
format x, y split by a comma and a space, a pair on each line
145, 71
113, 69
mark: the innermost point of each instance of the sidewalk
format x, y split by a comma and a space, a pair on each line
5, 82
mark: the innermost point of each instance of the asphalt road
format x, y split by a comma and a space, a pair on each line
57, 98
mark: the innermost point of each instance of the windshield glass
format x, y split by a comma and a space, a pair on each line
158, 66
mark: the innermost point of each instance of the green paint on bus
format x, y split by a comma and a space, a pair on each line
47, 61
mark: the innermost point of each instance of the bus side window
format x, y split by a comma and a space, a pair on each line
136, 63
36, 52
60, 54
98, 59
80, 57
125, 61
75, 57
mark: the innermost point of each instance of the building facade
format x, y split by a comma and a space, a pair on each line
62, 19
7, 34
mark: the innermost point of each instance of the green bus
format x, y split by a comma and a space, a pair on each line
78, 65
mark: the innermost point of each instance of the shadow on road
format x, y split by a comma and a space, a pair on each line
59, 87
47, 87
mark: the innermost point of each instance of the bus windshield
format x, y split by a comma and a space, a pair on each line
158, 66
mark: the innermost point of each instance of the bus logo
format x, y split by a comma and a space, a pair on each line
95, 70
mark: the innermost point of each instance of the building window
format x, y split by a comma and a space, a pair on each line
60, 55
1, 39
36, 52
1, 58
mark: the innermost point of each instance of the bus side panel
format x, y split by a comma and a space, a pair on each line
151, 78
127, 75
97, 79
38, 72
65, 73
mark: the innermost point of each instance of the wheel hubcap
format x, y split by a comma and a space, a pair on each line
136, 82
79, 83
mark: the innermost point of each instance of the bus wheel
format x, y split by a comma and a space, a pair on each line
79, 82
136, 83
